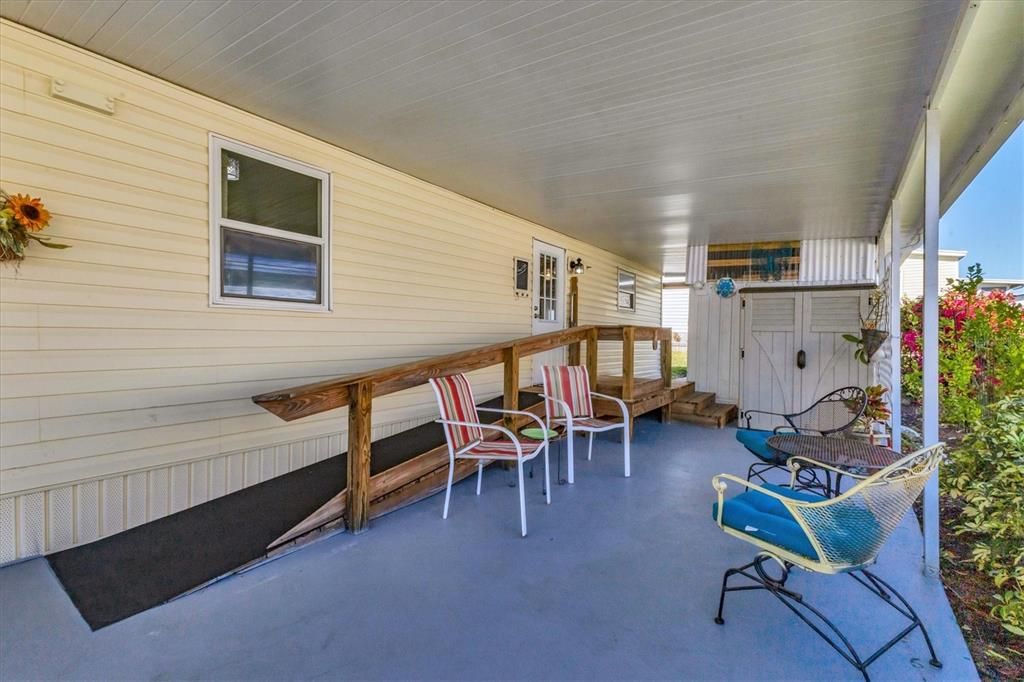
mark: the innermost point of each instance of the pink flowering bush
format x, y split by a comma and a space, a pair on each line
981, 348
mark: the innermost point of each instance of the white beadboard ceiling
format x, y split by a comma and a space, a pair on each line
636, 126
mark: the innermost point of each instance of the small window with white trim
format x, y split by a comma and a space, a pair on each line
627, 290
269, 230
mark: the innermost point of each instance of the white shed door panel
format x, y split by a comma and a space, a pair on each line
776, 327
769, 352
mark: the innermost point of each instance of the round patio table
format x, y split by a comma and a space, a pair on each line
842, 453
555, 435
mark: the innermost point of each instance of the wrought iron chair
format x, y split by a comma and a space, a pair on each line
567, 402
465, 435
825, 535
830, 415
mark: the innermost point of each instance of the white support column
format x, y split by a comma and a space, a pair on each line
895, 294
930, 319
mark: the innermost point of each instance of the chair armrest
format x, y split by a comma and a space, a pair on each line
618, 401
793, 463
747, 413
492, 427
719, 484
524, 413
561, 403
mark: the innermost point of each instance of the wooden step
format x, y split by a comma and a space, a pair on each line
682, 388
694, 403
716, 415
642, 387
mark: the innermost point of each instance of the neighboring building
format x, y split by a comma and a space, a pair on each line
675, 309
912, 271
1015, 287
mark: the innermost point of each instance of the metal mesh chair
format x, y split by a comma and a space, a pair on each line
833, 414
825, 535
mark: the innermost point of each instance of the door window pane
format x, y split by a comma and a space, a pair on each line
261, 193
267, 267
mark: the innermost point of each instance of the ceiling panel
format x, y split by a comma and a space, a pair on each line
637, 126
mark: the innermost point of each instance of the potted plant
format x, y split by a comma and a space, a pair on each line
876, 412
871, 337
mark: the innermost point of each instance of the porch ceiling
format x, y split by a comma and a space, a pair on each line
636, 126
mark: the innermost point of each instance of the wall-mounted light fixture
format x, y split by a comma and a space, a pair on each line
577, 267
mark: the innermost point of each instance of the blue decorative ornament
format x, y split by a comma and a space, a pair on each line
725, 287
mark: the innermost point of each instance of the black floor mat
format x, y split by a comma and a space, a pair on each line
127, 573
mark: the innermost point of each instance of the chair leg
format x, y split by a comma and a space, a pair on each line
817, 621
522, 497
547, 475
625, 445
572, 467
590, 446
448, 490
479, 475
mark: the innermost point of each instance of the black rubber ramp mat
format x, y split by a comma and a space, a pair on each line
130, 572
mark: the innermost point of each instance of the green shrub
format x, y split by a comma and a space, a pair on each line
987, 474
981, 348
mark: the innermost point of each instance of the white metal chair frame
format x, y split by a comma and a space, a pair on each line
886, 495
570, 428
482, 460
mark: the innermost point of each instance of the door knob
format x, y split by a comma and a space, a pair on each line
801, 359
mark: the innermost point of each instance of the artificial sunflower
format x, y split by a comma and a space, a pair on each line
21, 216
28, 211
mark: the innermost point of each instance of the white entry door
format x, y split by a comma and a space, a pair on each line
548, 300
793, 349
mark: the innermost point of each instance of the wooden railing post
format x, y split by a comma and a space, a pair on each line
360, 411
592, 357
666, 361
511, 401
628, 346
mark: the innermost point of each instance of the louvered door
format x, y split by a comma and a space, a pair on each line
793, 351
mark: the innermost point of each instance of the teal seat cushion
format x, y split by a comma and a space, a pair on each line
767, 519
756, 441
853, 536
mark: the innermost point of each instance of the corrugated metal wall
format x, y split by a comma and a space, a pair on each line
837, 261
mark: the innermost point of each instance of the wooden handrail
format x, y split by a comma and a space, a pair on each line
358, 390
309, 399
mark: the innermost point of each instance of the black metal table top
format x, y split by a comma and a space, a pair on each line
838, 452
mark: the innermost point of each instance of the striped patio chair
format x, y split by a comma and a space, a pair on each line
568, 402
824, 535
465, 434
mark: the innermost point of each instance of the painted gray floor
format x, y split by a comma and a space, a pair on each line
618, 579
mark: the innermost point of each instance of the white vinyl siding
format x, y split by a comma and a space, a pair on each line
124, 395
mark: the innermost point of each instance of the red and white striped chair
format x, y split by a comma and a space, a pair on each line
465, 435
568, 403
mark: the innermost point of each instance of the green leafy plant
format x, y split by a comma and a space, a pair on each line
981, 348
986, 473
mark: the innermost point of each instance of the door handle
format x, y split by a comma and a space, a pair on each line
801, 359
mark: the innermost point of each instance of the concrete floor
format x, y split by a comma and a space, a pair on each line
618, 579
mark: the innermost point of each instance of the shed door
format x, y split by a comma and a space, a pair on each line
827, 315
776, 327
548, 301
768, 376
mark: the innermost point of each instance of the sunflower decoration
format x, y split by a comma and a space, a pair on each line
21, 217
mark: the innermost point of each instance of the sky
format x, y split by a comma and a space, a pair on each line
987, 220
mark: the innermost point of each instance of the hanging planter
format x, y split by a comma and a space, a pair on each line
872, 340
21, 217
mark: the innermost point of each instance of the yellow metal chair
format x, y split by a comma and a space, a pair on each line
825, 535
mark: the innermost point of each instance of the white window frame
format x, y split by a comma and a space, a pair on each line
618, 289
218, 143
